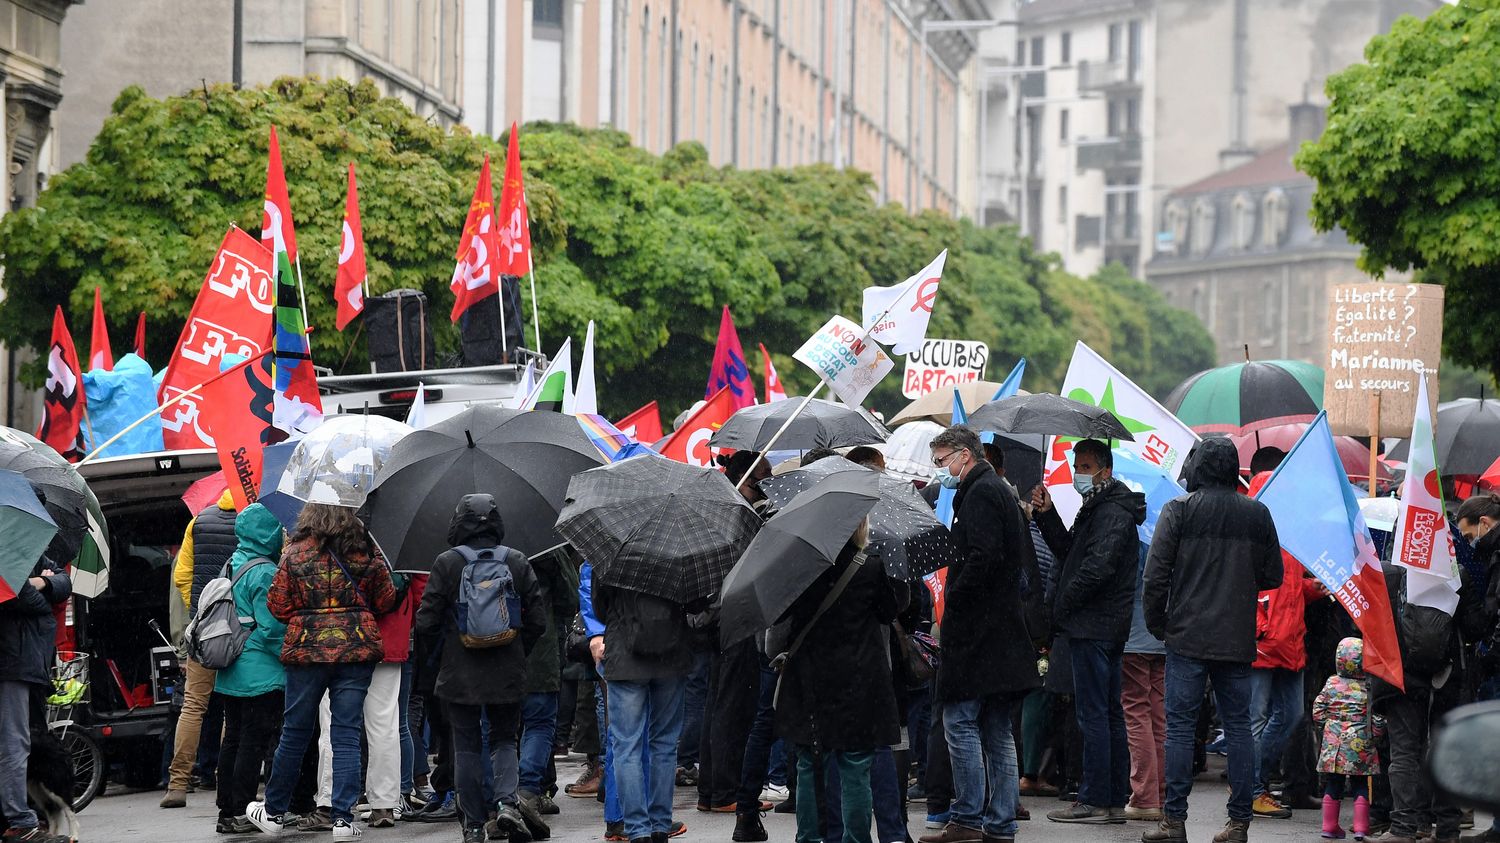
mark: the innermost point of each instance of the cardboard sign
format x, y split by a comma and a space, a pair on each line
845, 359
1380, 338
943, 364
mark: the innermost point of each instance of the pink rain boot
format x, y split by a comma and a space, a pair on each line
1361, 817
1331, 829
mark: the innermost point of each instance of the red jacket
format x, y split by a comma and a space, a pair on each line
395, 627
1280, 616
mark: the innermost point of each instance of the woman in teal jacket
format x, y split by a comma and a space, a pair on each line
253, 687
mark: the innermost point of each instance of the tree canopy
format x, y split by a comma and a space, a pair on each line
1409, 164
647, 246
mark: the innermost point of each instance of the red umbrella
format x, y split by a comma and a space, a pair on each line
1490, 479
1354, 454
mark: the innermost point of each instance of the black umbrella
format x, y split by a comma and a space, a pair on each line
904, 532
1468, 435
658, 526
1053, 415
523, 459
68, 498
793, 550
823, 424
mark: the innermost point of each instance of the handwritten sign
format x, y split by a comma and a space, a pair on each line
1381, 337
943, 364
846, 360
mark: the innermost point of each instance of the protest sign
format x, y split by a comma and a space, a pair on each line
1380, 338
845, 359
943, 364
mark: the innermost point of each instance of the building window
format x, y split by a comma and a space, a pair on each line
645, 70
1242, 221
765, 119
1133, 50
547, 13
1312, 312
1065, 47
708, 107
1062, 125
725, 125
749, 159
1269, 306
1020, 52
1116, 41
1175, 230
1062, 205
1274, 218
1038, 51
663, 67
1205, 218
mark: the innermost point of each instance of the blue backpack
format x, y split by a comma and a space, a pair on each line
489, 606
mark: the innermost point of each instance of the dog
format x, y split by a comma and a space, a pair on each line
49, 775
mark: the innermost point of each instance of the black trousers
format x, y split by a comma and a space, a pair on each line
251, 726
729, 713
470, 761
939, 765
1408, 720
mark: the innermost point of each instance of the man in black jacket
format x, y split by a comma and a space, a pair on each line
27, 632
988, 663
1093, 606
1213, 552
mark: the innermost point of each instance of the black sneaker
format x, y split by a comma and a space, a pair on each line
474, 835
33, 835
546, 807
234, 825
749, 829
526, 806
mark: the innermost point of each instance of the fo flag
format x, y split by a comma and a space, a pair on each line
238, 410
349, 284
476, 276
515, 223
1319, 523
1423, 542
729, 370
689, 443
298, 406
897, 316
774, 390
232, 315
100, 356
643, 425
63, 405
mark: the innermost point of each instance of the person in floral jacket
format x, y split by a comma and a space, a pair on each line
331, 585
1348, 757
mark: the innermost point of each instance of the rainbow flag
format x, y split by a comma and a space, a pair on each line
610, 440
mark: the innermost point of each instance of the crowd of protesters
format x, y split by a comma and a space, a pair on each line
1076, 662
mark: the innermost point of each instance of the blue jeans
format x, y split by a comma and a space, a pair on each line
1275, 713
1101, 722
776, 772
612, 812
1186, 680
982, 750
345, 685
15, 749
413, 747
645, 721
886, 788
695, 697
538, 728
847, 796
918, 724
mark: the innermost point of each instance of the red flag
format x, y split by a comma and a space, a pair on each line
729, 369
63, 401
100, 357
232, 315
349, 285
276, 230
140, 336
237, 410
643, 425
515, 221
689, 443
476, 277
774, 390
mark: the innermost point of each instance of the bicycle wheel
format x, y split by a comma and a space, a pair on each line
88, 764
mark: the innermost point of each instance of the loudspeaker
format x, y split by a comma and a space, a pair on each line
399, 336
480, 327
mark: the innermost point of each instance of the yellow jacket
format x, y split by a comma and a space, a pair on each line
182, 570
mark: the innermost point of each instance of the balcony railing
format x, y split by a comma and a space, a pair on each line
1105, 75
1109, 153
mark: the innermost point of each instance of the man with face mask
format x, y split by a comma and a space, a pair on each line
1093, 606
988, 663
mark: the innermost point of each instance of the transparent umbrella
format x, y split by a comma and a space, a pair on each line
336, 463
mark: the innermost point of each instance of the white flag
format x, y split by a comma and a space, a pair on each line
1161, 439
555, 386
1423, 544
524, 388
416, 417
903, 310
585, 398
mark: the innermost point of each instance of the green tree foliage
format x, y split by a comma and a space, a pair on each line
647, 246
1409, 165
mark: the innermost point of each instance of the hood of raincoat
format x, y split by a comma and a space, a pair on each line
476, 523
1213, 462
1351, 658
258, 534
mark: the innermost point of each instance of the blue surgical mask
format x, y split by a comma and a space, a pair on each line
1083, 483
947, 479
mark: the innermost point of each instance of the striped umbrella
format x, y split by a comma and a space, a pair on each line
82, 538
1245, 397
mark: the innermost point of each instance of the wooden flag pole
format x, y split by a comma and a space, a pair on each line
1374, 437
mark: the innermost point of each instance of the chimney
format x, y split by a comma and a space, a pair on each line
1306, 123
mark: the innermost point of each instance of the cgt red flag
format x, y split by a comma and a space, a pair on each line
643, 425
276, 230
349, 284
140, 336
100, 356
774, 390
515, 221
238, 410
476, 275
729, 369
689, 443
63, 405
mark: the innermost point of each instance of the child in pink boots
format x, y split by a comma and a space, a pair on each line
1348, 757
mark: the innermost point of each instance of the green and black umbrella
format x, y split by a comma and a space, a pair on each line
82, 539
27, 527
1246, 397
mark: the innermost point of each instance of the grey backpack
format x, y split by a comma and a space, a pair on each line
216, 635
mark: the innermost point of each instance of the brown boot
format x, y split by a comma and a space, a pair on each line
954, 834
174, 799
1235, 831
1169, 831
588, 783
